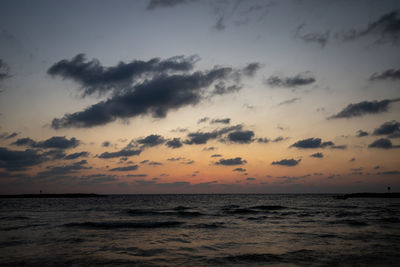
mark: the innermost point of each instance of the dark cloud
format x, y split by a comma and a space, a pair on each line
251, 69
386, 28
290, 101
211, 148
365, 107
58, 142
175, 159
95, 78
204, 119
137, 175
13, 160
153, 4
389, 173
216, 155
77, 155
7, 136
280, 139
54, 154
65, 169
155, 163
239, 170
301, 79
144, 161
124, 169
4, 70
179, 130
383, 143
126, 152
390, 74
106, 144
155, 96
321, 38
263, 140
286, 162
174, 143
313, 143
221, 88
352, 159
390, 128
361, 133
231, 162
241, 137
219, 24
317, 155
223, 121
250, 179
199, 138
188, 162
150, 141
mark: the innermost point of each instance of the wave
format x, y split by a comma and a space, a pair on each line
182, 213
209, 225
268, 207
124, 224
295, 257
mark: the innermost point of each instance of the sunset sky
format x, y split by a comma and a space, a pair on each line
186, 96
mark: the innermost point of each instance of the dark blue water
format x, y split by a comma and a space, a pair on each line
200, 230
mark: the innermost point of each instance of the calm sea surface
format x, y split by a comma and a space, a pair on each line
200, 230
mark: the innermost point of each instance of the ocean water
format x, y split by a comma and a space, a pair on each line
200, 230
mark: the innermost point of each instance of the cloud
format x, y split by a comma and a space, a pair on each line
231, 162
301, 79
204, 119
175, 159
137, 175
263, 140
14, 160
290, 101
221, 89
279, 139
77, 155
153, 4
241, 137
317, 155
150, 141
250, 179
216, 155
4, 70
106, 144
7, 136
386, 28
223, 121
97, 179
312, 143
199, 138
155, 96
389, 173
321, 38
65, 169
126, 152
174, 143
390, 74
95, 78
383, 143
390, 128
365, 107
124, 169
239, 170
286, 162
361, 133
58, 142
251, 69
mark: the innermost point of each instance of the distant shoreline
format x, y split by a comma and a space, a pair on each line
369, 195
75, 195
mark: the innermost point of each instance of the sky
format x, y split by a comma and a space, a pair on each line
190, 96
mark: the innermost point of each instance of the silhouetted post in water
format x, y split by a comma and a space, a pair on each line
40, 191
388, 189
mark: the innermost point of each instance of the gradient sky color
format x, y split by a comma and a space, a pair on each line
186, 96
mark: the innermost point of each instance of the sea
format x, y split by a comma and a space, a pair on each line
200, 230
